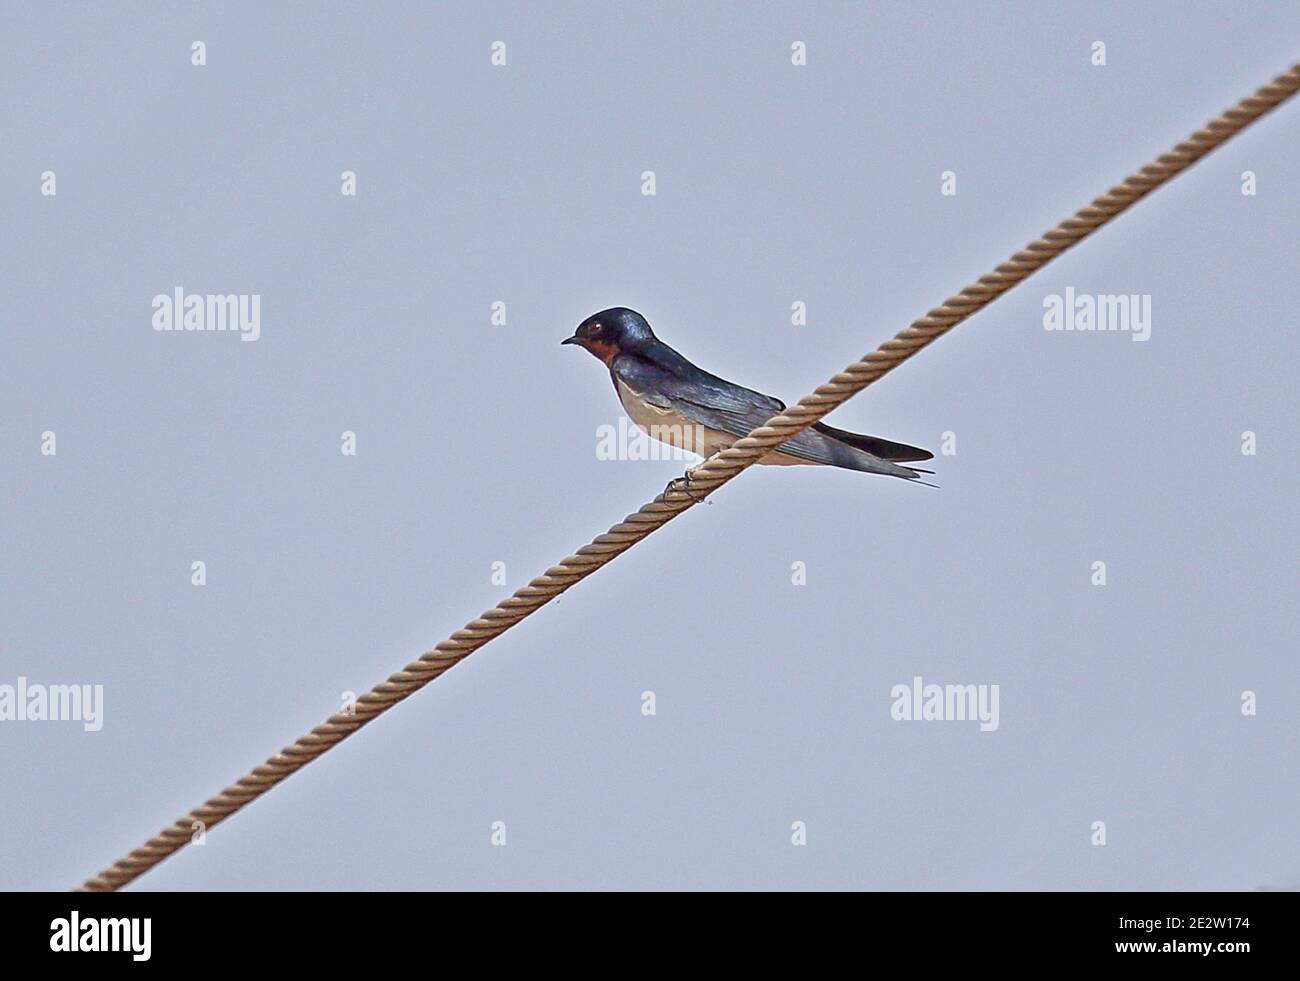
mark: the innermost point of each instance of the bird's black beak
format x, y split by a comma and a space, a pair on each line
570, 340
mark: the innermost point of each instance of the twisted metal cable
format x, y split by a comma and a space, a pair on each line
705, 479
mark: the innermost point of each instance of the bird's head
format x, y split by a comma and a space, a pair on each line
611, 332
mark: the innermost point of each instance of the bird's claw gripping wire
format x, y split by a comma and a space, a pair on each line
682, 484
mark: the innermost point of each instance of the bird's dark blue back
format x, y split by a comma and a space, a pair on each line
663, 378
654, 367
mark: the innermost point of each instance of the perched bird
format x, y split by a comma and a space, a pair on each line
677, 403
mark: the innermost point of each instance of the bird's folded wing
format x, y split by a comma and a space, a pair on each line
886, 449
736, 412
725, 407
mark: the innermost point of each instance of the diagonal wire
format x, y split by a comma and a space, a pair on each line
705, 479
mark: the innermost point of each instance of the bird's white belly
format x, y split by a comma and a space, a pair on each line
671, 427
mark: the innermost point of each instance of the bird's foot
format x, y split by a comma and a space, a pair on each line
682, 484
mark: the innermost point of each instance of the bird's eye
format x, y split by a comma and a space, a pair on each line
593, 330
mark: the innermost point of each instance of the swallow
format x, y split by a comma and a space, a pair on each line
673, 401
